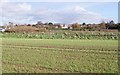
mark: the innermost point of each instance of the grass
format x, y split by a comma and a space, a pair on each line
59, 55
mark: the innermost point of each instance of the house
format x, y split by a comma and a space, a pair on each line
64, 26
70, 27
57, 25
2, 30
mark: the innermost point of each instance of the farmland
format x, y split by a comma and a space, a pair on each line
59, 37
65, 34
24, 55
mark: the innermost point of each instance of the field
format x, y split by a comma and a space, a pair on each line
22, 55
66, 34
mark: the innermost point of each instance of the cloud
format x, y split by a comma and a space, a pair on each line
28, 13
73, 14
15, 12
64, 0
24, 7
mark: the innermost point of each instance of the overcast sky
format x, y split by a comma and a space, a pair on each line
63, 12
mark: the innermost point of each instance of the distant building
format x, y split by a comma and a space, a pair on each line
70, 26
57, 25
2, 30
9, 25
64, 26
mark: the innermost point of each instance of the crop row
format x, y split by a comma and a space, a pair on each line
62, 36
54, 59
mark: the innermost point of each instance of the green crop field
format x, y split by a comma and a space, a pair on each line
59, 55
